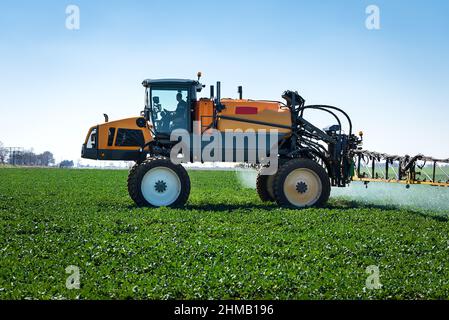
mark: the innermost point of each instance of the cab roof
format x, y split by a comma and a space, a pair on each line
149, 82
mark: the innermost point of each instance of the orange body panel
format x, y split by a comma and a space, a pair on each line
261, 111
129, 123
204, 112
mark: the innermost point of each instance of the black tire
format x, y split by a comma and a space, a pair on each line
138, 172
318, 175
264, 187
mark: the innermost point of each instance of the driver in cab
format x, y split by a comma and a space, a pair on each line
175, 119
179, 115
181, 107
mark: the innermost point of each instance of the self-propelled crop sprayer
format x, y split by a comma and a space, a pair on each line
309, 160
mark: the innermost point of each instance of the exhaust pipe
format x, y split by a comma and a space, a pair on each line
218, 104
218, 92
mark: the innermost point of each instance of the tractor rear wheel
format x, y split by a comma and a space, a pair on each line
301, 183
158, 183
264, 187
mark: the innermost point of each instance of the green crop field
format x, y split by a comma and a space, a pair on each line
226, 244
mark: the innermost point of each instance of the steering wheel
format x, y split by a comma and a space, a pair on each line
168, 114
165, 120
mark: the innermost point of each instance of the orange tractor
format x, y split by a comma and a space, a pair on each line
309, 160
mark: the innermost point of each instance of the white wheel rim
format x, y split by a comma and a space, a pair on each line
302, 187
160, 186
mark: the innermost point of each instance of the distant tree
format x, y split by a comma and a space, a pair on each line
66, 164
45, 159
3, 153
22, 158
11, 158
27, 158
16, 158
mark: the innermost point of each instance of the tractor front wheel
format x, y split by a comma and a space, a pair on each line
158, 183
301, 183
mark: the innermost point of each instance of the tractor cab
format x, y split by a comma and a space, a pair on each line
169, 104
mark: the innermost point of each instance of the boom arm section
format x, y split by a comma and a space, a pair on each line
419, 169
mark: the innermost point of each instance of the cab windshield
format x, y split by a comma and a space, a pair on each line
169, 109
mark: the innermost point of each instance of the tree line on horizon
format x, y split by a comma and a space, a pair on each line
25, 157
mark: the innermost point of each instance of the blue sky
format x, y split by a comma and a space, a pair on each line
394, 82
